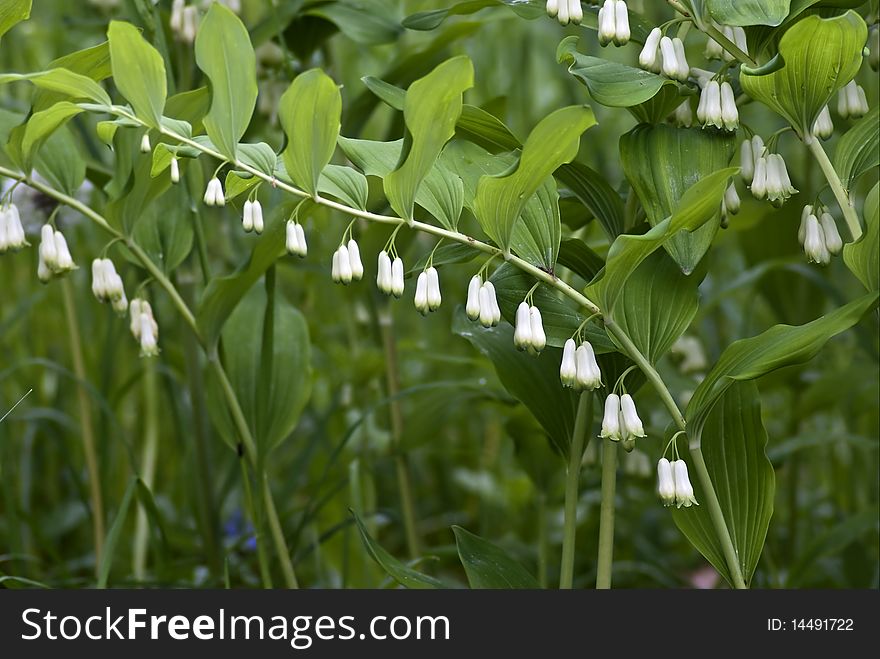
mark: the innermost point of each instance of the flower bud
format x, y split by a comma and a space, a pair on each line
257, 210
731, 200
493, 302
833, 241
291, 239
630, 423
48, 251
421, 297
247, 216
669, 66
607, 22
522, 334
214, 193
746, 162
487, 318
568, 367
681, 60
759, 180
354, 258
802, 229
575, 11
611, 418
301, 239
563, 15
99, 285
823, 127
343, 265
684, 491
11, 231
665, 482
145, 143
539, 338
648, 57
621, 23
814, 242
434, 296
588, 376
683, 116
383, 275
472, 306
175, 170
729, 113
553, 7
149, 344
397, 284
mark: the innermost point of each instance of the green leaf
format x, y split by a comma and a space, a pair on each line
114, 532
310, 113
656, 305
500, 200
580, 259
433, 105
12, 12
781, 345
164, 228
863, 257
489, 566
537, 235
821, 56
64, 82
225, 54
858, 150
93, 63
610, 83
367, 22
138, 72
698, 205
346, 184
432, 19
260, 156
271, 402
594, 192
534, 381
734, 448
661, 163
402, 574
748, 12
60, 161
44, 123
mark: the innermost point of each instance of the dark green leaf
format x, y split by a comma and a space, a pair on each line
858, 151
863, 257
401, 573
114, 533
489, 566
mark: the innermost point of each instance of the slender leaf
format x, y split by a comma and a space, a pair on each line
489, 566
63, 82
114, 532
858, 151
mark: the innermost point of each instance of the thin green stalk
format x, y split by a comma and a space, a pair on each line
606, 515
836, 185
543, 544
278, 536
147, 467
582, 423
401, 461
85, 420
257, 521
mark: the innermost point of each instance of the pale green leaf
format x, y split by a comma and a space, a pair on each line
863, 257
43, 123
489, 566
346, 184
858, 151
64, 82
748, 12
138, 72
12, 12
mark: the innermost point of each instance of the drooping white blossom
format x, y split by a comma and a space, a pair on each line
852, 102
522, 333
833, 241
611, 418
354, 259
295, 239
434, 296
383, 273
648, 57
472, 306
145, 143
568, 367
12, 235
214, 193
397, 283
684, 491
257, 210
144, 327
630, 423
421, 296
814, 242
175, 170
247, 216
823, 127
588, 376
665, 482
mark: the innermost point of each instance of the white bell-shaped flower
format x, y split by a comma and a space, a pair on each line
607, 23
621, 23
493, 302
397, 283
214, 193
568, 367
354, 259
421, 296
99, 283
257, 210
683, 116
684, 491
294, 239
823, 127
648, 57
247, 216
553, 7
588, 376
611, 418
852, 103
709, 109
434, 296
746, 162
713, 50
575, 11
47, 249
729, 112
814, 242
539, 338
149, 340
630, 423
12, 235
779, 187
563, 14
63, 259
486, 316
342, 261
145, 143
665, 482
731, 200
175, 170
833, 241
802, 229
681, 60
144, 327
759, 185
472, 306
383, 273
522, 333
669, 61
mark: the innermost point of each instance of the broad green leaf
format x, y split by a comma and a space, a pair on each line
500, 200
60, 161
697, 206
489, 566
478, 126
594, 192
748, 12
781, 345
402, 574
44, 123
164, 228
346, 184
858, 151
224, 293
863, 257
433, 18
12, 12
93, 63
537, 235
260, 156
433, 105
138, 72
441, 192
734, 447
225, 54
534, 381
191, 106
656, 305
821, 56
561, 316
580, 259
661, 163
64, 82
114, 532
310, 113
365, 22
271, 402
611, 83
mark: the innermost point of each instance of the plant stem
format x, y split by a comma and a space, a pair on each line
147, 467
543, 553
728, 45
582, 423
85, 420
834, 182
606, 515
278, 536
257, 521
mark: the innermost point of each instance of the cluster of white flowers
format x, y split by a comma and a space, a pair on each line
565, 11
579, 369
427, 297
389, 278
621, 421
55, 259
482, 304
346, 265
717, 106
664, 55
107, 285
214, 193
823, 127
693, 357
296, 239
184, 22
144, 327
614, 23
737, 35
11, 231
528, 332
852, 102
766, 174
673, 484
252, 216
818, 234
